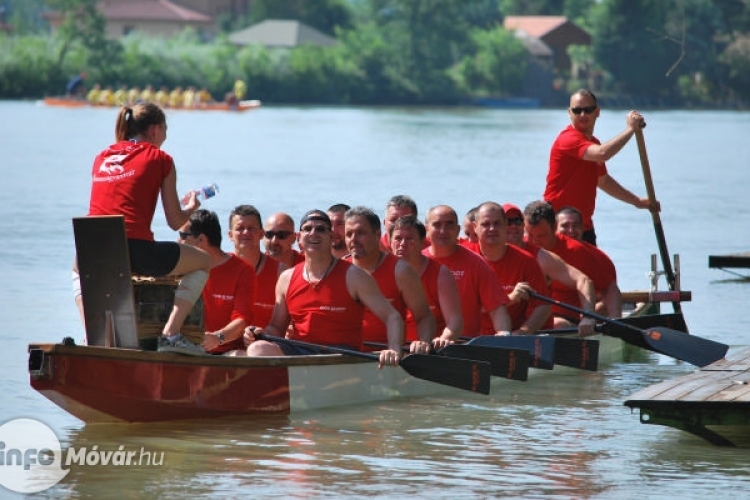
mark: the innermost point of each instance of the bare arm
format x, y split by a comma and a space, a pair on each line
450, 305
535, 320
363, 287
501, 320
279, 322
558, 270
612, 301
603, 152
609, 185
173, 211
410, 286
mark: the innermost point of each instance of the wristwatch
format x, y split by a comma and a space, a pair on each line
220, 336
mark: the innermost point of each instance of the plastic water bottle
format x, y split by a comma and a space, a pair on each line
208, 191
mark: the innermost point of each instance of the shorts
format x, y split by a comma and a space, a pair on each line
153, 258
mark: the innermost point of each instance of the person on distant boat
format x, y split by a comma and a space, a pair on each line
229, 293
336, 213
516, 270
204, 96
570, 223
245, 232
576, 164
134, 95
477, 285
107, 97
398, 206
121, 96
94, 95
407, 239
324, 300
239, 89
127, 179
161, 97
279, 237
175, 97
189, 98
76, 87
553, 267
398, 281
540, 226
148, 94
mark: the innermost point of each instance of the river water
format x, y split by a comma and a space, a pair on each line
555, 437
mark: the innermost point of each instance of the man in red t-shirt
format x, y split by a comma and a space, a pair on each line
397, 280
479, 290
398, 206
540, 228
323, 299
576, 164
230, 290
279, 238
516, 270
245, 232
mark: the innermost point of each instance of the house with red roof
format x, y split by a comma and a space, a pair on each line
162, 18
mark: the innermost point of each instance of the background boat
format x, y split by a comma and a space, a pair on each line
67, 102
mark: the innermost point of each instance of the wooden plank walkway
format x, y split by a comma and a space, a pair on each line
731, 260
716, 395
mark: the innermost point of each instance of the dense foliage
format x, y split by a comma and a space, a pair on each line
680, 52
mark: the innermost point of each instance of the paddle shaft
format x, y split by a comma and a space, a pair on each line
470, 375
654, 209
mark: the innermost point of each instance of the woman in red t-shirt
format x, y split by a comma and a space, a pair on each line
127, 179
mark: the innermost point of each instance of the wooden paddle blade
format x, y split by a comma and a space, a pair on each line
577, 352
507, 363
541, 349
695, 350
470, 375
674, 321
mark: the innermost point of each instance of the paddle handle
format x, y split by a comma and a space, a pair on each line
318, 347
654, 209
578, 310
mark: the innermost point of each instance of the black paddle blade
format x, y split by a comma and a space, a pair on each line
470, 375
695, 350
506, 363
675, 321
577, 353
542, 349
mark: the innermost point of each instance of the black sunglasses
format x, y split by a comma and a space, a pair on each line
515, 221
281, 235
587, 110
185, 235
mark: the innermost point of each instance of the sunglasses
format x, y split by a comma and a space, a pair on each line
587, 110
185, 235
515, 221
279, 235
315, 229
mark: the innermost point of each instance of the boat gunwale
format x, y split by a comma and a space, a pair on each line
208, 360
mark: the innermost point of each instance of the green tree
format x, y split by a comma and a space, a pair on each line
496, 68
83, 23
736, 57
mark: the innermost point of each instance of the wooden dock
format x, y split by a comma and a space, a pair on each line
730, 261
718, 395
741, 260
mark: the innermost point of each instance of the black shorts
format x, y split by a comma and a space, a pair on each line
153, 258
